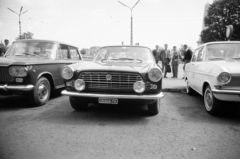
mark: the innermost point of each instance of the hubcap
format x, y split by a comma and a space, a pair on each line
42, 91
208, 100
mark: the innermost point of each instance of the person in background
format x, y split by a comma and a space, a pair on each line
165, 56
175, 62
6, 42
187, 56
155, 53
2, 49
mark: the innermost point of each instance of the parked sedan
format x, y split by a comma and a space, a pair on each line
33, 68
117, 75
214, 72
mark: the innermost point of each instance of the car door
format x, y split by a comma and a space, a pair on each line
190, 69
199, 76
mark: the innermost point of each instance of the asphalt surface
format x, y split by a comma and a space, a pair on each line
181, 130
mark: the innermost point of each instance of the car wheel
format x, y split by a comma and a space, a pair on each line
189, 90
212, 104
41, 92
78, 105
153, 109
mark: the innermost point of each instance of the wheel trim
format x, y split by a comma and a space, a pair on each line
43, 91
208, 100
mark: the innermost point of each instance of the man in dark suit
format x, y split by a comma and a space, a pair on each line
156, 53
187, 56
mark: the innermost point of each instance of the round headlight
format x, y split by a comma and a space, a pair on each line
79, 85
224, 77
18, 71
155, 75
67, 72
139, 87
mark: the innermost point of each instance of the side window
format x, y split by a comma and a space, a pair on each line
64, 53
200, 54
195, 55
74, 53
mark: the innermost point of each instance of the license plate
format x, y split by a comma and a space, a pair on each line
107, 101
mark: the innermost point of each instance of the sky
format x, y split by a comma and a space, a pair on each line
86, 23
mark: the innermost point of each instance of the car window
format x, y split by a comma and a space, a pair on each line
74, 53
195, 54
124, 54
200, 54
64, 52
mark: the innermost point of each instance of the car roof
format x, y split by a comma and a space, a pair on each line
126, 46
219, 42
43, 40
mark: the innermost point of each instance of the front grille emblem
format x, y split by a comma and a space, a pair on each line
108, 77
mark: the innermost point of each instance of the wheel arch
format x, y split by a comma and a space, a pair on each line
205, 84
49, 77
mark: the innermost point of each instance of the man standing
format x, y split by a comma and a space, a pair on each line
165, 57
175, 62
187, 56
156, 53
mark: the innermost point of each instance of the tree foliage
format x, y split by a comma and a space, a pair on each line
25, 35
221, 13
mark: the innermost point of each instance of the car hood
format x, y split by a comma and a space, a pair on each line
125, 67
231, 66
8, 61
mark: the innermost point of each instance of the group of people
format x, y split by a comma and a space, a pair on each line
4, 47
170, 59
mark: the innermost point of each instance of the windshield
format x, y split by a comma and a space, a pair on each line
124, 54
223, 51
33, 49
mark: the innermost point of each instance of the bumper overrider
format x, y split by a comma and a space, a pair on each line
24, 88
118, 96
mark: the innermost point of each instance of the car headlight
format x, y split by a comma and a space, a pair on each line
139, 87
224, 77
18, 71
79, 85
67, 72
155, 75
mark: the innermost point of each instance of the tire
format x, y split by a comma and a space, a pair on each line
212, 104
153, 109
189, 90
77, 105
41, 92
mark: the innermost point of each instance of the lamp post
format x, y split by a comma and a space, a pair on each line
131, 9
19, 15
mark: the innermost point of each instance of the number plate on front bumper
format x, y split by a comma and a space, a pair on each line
107, 101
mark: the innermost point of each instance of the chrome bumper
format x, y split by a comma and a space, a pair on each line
127, 96
218, 91
16, 87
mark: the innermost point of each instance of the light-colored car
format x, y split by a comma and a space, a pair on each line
214, 72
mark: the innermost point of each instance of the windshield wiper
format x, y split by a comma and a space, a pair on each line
129, 59
27, 53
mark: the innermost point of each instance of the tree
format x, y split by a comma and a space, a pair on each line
221, 13
25, 35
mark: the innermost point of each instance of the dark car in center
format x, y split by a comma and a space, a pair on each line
33, 68
118, 75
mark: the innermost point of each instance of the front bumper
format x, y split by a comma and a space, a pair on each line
118, 96
19, 88
227, 95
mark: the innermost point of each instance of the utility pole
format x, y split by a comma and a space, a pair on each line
19, 15
131, 9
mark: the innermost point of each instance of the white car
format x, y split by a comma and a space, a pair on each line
214, 72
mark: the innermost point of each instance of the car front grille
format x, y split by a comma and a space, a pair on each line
118, 81
235, 81
5, 76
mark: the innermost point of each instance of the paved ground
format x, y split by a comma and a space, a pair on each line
182, 130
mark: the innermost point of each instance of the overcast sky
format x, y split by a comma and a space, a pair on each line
87, 23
